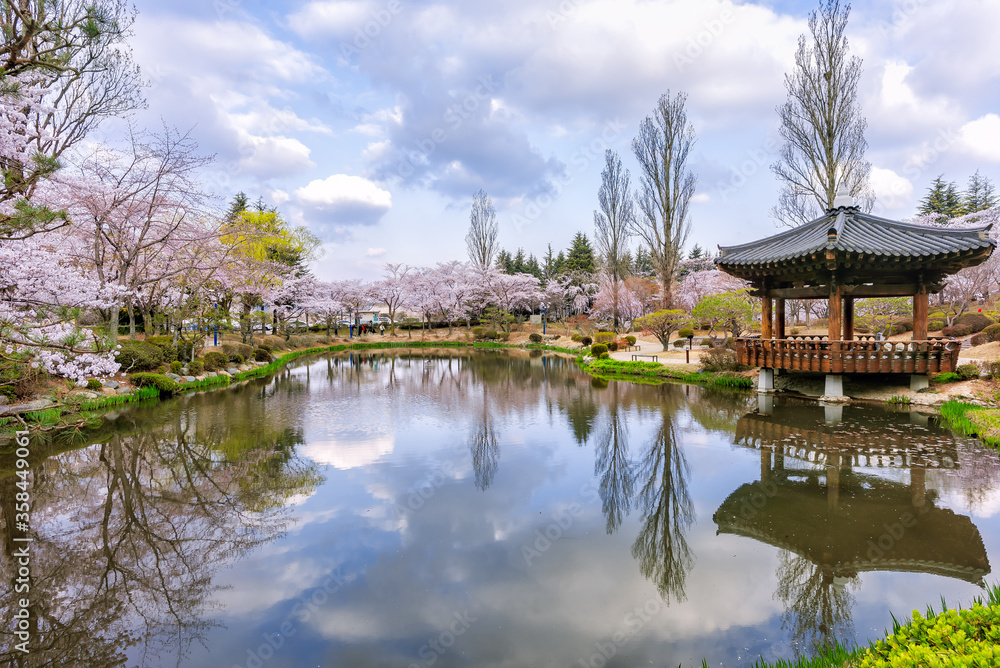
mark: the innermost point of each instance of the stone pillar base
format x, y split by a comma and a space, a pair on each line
919, 382
765, 380
834, 385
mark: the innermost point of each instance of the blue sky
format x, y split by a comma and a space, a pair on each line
374, 121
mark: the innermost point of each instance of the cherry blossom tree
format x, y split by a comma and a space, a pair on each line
394, 290
616, 299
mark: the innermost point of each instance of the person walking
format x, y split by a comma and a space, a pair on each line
381, 330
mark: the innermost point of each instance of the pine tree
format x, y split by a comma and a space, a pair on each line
559, 265
696, 253
937, 198
980, 195
549, 264
532, 267
581, 255
505, 262
518, 264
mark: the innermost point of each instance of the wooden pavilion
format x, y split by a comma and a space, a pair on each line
841, 256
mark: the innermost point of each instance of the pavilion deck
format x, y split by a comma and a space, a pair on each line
860, 356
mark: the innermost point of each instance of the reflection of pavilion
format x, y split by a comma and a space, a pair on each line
835, 522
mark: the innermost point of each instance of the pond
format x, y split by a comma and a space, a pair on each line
456, 508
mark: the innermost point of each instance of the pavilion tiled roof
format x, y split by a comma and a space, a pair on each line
848, 230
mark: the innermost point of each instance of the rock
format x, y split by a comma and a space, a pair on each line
3, 400
173, 376
36, 405
112, 385
225, 373
212, 374
85, 394
244, 367
232, 371
200, 378
189, 379
124, 390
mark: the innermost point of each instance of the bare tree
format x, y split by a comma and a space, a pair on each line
665, 187
821, 123
483, 230
613, 222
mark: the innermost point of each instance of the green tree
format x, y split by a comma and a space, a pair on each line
942, 198
880, 313
662, 324
581, 255
696, 253
979, 195
732, 311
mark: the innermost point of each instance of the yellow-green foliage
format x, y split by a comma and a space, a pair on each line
950, 638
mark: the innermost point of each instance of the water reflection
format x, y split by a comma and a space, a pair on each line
130, 530
830, 499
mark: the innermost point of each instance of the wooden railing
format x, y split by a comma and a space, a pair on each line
934, 356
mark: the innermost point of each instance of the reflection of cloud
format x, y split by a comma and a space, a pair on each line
350, 453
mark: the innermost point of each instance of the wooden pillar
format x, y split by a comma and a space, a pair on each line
765, 464
918, 486
848, 319
766, 330
920, 315
836, 311
779, 318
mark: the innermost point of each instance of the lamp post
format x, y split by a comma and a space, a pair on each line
543, 318
215, 338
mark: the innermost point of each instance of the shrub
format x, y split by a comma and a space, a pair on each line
720, 359
680, 343
490, 334
156, 380
478, 332
273, 343
93, 384
139, 356
631, 340
685, 333
604, 337
196, 367
577, 337
246, 351
967, 371
604, 356
992, 333
938, 325
948, 377
905, 325
176, 366
504, 336
586, 341
597, 349
995, 370
977, 339
237, 359
262, 355
215, 360
612, 346
535, 337
794, 331
957, 330
977, 322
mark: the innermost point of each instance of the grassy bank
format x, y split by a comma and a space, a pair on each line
654, 372
970, 420
948, 638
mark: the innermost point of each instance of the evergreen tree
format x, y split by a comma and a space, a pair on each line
559, 265
549, 264
518, 264
505, 262
941, 198
980, 195
532, 267
643, 263
696, 253
240, 204
581, 255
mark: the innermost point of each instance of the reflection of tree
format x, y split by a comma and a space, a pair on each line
129, 532
817, 606
484, 446
613, 467
661, 546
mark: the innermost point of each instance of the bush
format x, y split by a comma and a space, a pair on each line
905, 325
977, 339
245, 350
577, 337
215, 360
586, 341
273, 343
686, 333
977, 322
720, 359
535, 337
478, 332
604, 337
176, 367
612, 346
938, 325
948, 377
504, 336
680, 343
237, 359
995, 370
604, 356
139, 356
262, 355
794, 331
631, 339
597, 349
957, 330
196, 368
992, 333
94, 384
967, 371
156, 380
490, 334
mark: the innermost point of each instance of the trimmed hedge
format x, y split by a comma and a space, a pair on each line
631, 340
159, 381
214, 360
992, 333
139, 356
597, 349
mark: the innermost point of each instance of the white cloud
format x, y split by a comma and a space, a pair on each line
701, 198
345, 199
274, 156
892, 191
342, 19
981, 137
375, 252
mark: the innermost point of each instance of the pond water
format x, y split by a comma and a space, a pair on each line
489, 509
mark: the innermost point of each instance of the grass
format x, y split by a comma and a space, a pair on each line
654, 372
959, 637
970, 420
